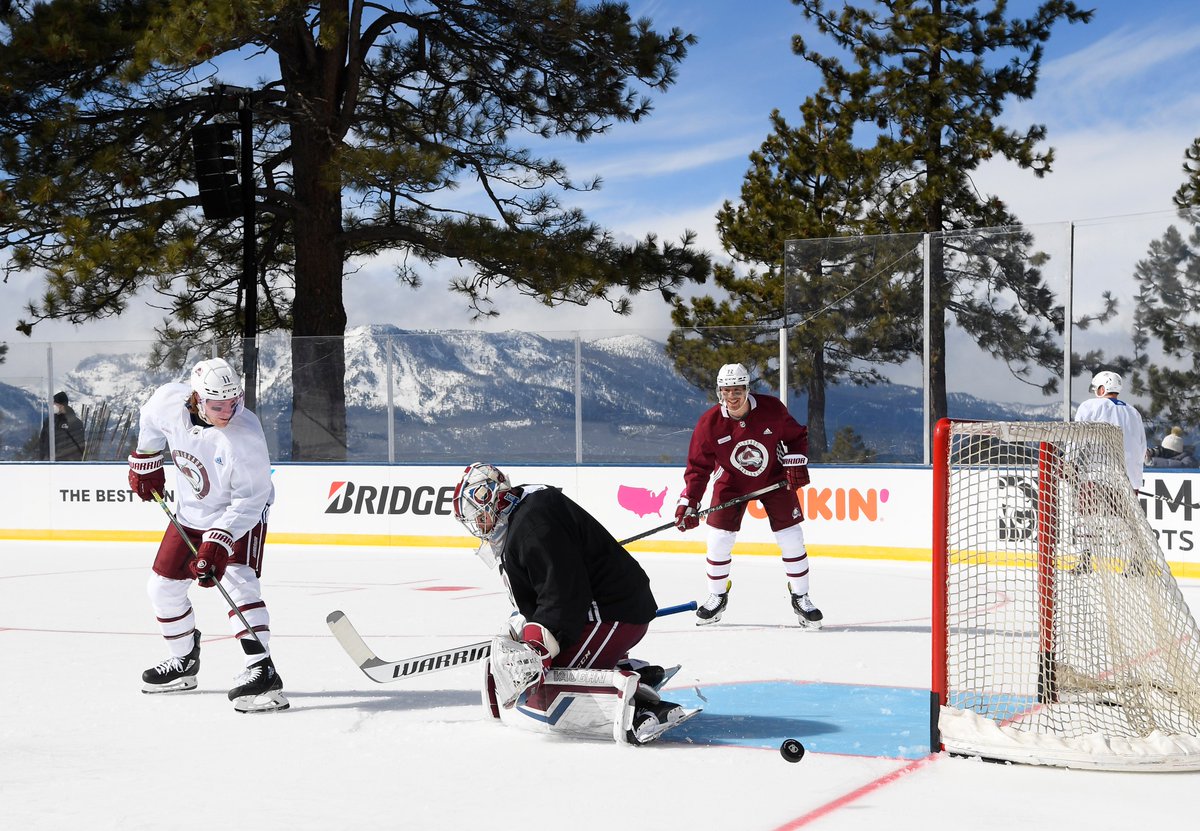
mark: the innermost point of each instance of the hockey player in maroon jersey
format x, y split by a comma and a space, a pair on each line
583, 601
743, 443
224, 491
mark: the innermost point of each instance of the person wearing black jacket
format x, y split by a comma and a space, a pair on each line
584, 600
68, 433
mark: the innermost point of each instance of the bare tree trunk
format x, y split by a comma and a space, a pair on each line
314, 74
319, 315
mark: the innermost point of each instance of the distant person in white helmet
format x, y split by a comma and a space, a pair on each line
1108, 408
743, 444
224, 491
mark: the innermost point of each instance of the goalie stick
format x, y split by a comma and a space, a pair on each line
382, 671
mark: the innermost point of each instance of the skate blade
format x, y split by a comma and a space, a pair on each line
182, 685
652, 734
268, 702
810, 625
710, 621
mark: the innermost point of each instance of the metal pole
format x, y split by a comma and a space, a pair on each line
1068, 314
783, 373
249, 254
926, 374
578, 400
50, 426
391, 407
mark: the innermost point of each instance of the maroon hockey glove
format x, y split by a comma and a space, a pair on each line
146, 476
795, 466
686, 517
213, 555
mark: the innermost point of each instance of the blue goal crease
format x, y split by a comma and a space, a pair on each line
847, 719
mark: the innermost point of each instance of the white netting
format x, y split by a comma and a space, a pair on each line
1067, 637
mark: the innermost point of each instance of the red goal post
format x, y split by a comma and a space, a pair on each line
1060, 636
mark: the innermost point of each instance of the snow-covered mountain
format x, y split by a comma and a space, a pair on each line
507, 396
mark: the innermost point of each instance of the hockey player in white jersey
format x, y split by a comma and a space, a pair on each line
224, 491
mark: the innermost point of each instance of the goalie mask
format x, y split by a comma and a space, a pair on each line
218, 391
482, 499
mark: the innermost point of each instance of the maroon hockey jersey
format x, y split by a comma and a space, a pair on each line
744, 453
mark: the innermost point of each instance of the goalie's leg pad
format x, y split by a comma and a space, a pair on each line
577, 703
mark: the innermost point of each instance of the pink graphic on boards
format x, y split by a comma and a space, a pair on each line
640, 501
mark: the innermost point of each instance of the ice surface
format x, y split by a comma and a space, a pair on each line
82, 747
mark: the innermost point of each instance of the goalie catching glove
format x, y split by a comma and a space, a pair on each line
146, 475
208, 566
520, 666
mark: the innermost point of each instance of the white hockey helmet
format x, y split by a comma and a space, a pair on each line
480, 498
215, 380
1111, 382
733, 375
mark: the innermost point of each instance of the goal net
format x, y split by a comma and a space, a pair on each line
1060, 636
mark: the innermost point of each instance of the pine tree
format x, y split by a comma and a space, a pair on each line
1166, 339
370, 116
843, 309
849, 448
931, 79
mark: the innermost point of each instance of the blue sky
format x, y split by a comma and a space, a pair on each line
1119, 96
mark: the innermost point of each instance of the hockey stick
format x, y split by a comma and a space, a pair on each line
1174, 503
382, 671
187, 540
729, 504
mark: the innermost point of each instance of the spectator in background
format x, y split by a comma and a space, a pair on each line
68, 432
1171, 452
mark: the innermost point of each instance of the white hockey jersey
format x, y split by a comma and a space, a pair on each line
1115, 411
222, 475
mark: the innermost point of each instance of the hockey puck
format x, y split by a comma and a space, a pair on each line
791, 750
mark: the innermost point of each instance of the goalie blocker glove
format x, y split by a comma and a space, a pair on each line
146, 475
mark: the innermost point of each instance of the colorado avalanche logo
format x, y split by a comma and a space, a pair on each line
193, 471
750, 457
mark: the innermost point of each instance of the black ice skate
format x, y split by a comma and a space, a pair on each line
807, 615
174, 674
652, 720
713, 607
258, 689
